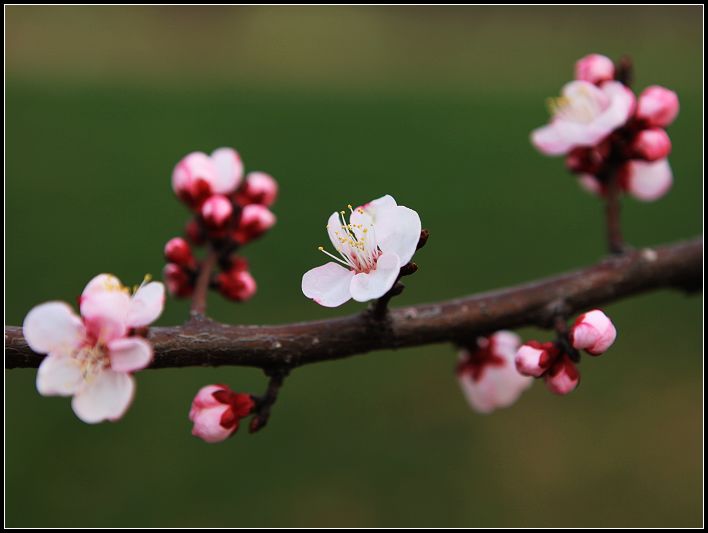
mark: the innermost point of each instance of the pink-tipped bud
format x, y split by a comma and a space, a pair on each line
652, 144
192, 179
216, 412
657, 106
255, 220
177, 280
177, 250
563, 377
593, 332
534, 358
216, 211
259, 188
237, 283
594, 68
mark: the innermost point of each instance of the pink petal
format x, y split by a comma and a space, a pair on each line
59, 375
106, 397
53, 327
328, 285
648, 181
102, 283
229, 170
398, 232
207, 424
146, 304
106, 313
550, 139
365, 287
498, 387
205, 399
129, 354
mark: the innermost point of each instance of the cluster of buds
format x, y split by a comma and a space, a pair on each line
217, 412
556, 361
607, 134
228, 212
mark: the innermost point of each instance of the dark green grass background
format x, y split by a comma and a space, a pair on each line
342, 105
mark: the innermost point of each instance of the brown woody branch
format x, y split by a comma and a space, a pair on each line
207, 343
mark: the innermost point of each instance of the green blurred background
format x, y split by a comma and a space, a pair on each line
341, 105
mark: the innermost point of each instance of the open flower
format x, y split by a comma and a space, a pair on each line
92, 357
378, 240
583, 116
487, 373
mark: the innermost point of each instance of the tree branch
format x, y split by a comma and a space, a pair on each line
207, 343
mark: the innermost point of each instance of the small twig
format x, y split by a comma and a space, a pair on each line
615, 241
265, 403
201, 287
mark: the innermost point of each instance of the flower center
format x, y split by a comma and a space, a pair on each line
355, 242
92, 359
582, 105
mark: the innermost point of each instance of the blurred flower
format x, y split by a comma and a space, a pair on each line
583, 116
651, 144
179, 282
593, 332
92, 357
198, 176
254, 221
216, 412
487, 374
258, 188
378, 240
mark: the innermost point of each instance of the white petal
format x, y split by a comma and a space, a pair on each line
59, 375
229, 170
498, 387
398, 232
328, 285
129, 354
365, 287
107, 397
146, 304
53, 327
102, 283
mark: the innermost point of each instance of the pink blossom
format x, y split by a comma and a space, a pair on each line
657, 106
198, 176
216, 411
563, 376
216, 211
594, 68
487, 373
647, 181
378, 240
254, 221
93, 356
651, 144
237, 283
583, 116
178, 251
533, 358
259, 188
593, 332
